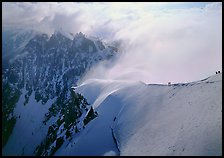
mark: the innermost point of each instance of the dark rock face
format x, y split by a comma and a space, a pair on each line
49, 67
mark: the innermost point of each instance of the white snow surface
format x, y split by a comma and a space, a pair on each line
29, 130
151, 119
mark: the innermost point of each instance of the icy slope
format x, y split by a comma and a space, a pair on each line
181, 119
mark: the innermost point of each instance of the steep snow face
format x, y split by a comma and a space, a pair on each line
97, 137
29, 129
180, 119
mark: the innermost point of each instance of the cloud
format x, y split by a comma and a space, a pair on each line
178, 45
177, 42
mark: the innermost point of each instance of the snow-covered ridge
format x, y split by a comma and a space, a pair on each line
180, 119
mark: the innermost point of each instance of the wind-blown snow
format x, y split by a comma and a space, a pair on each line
96, 138
181, 119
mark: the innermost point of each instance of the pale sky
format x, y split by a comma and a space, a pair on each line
163, 41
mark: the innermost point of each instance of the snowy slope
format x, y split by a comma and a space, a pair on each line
184, 119
29, 129
181, 119
96, 138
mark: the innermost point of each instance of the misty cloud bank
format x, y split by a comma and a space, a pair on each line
162, 42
